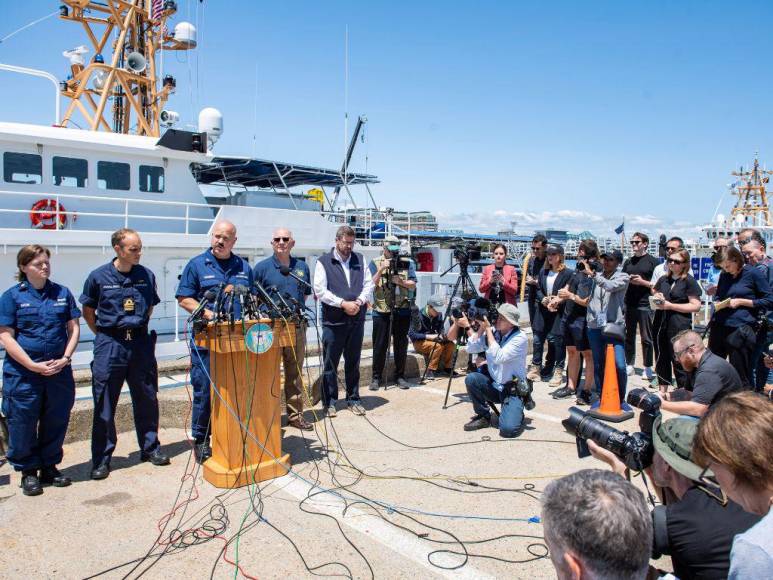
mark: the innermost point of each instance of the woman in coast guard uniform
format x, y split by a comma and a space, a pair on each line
39, 328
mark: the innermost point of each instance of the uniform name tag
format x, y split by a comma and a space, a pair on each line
128, 305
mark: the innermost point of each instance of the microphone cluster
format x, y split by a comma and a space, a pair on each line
233, 303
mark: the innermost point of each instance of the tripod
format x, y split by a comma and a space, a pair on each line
391, 303
465, 288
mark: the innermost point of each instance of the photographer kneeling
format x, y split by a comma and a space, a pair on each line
502, 379
426, 333
696, 525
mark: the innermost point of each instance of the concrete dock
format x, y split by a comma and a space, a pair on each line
403, 492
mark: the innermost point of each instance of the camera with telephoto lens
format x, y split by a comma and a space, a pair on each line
464, 253
592, 264
634, 449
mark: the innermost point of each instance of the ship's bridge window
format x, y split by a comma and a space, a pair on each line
151, 179
22, 168
113, 175
70, 172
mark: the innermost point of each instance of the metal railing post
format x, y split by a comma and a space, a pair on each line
176, 322
56, 199
187, 216
126, 213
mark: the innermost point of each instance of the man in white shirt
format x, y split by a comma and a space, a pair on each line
505, 348
343, 284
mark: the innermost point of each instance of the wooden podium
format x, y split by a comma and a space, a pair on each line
244, 364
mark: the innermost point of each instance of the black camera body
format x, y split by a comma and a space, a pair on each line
634, 449
464, 253
592, 264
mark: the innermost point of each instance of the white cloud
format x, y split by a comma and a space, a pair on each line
571, 220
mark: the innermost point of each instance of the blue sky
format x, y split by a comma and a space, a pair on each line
561, 114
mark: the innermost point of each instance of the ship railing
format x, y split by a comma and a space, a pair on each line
370, 224
124, 214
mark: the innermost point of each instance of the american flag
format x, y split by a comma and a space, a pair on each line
156, 8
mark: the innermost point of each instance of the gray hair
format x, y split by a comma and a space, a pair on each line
602, 520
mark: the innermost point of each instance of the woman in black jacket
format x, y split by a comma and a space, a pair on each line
547, 321
675, 297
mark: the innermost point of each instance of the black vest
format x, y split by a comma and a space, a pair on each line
336, 283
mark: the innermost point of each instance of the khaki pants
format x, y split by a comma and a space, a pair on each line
436, 352
292, 363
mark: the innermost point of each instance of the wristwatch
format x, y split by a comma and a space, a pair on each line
69, 358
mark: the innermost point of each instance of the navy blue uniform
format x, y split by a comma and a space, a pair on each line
123, 351
205, 272
37, 407
268, 274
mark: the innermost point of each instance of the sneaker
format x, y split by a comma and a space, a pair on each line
477, 423
629, 370
558, 378
374, 385
583, 398
562, 393
533, 373
404, 384
356, 407
648, 374
329, 411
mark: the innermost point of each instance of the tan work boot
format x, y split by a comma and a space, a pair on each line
533, 373
558, 377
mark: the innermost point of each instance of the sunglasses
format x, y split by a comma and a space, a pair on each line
671, 248
281, 240
672, 261
536, 248
636, 242
710, 486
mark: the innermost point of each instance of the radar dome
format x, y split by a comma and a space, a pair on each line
185, 34
211, 123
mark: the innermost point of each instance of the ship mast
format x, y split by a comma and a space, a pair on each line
752, 205
123, 73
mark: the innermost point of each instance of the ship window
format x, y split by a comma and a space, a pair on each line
22, 168
151, 179
70, 172
112, 175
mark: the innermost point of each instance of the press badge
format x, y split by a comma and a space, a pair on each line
128, 305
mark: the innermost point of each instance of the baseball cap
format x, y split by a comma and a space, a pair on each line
614, 254
509, 312
437, 301
555, 249
673, 441
392, 243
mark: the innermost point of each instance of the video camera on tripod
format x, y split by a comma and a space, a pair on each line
634, 449
466, 252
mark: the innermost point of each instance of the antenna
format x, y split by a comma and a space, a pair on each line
124, 71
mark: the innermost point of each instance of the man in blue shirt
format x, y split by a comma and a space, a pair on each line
118, 300
216, 267
269, 275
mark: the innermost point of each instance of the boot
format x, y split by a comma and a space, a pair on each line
558, 377
534, 373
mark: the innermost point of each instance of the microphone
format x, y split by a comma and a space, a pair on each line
266, 298
240, 290
208, 297
275, 291
218, 300
228, 306
286, 271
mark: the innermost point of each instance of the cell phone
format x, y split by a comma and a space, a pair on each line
582, 448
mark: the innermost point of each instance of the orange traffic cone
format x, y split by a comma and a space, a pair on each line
609, 407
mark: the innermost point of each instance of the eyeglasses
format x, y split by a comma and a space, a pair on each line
678, 353
636, 242
277, 240
672, 261
709, 483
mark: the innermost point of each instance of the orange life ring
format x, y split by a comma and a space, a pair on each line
44, 213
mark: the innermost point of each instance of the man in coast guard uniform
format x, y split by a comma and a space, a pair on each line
214, 269
118, 300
